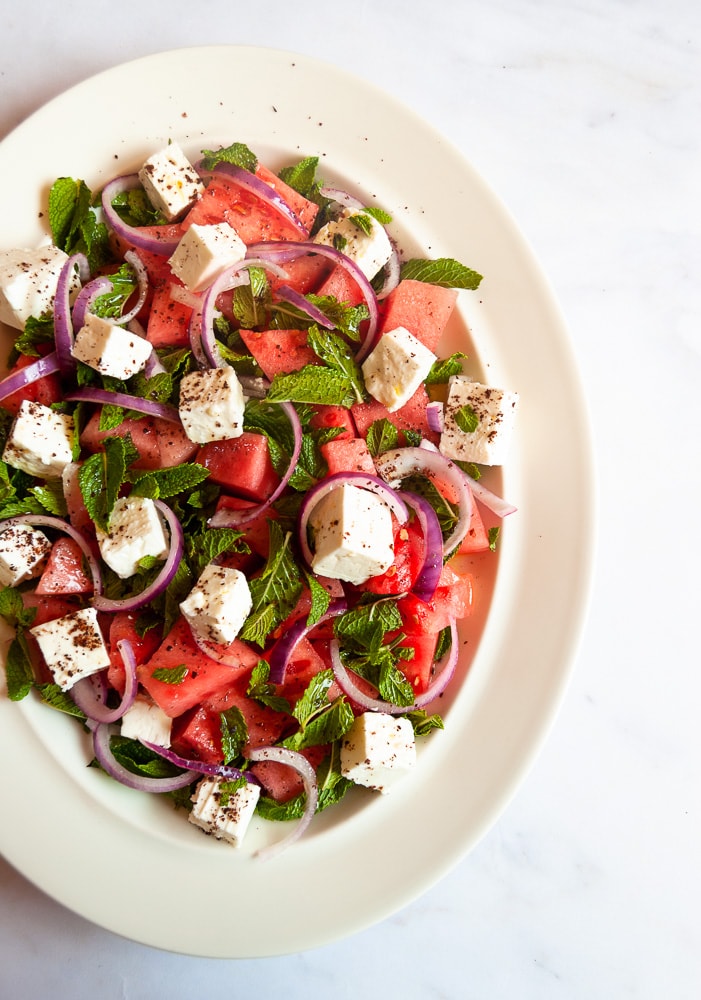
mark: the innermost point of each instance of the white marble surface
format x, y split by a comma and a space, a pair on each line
584, 117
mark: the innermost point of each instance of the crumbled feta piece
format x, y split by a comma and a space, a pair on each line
370, 251
226, 818
353, 537
23, 552
211, 405
72, 646
136, 530
40, 441
170, 181
144, 720
494, 413
28, 280
204, 252
218, 604
110, 349
396, 367
378, 750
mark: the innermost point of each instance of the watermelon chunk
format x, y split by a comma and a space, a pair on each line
160, 443
241, 465
64, 573
168, 319
421, 308
411, 416
279, 351
348, 455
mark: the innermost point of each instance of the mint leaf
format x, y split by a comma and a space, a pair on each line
320, 600
51, 497
393, 685
313, 384
234, 733
301, 177
138, 759
102, 475
261, 690
38, 332
444, 271
444, 368
334, 350
169, 481
237, 153
206, 546
18, 669
280, 812
135, 208
275, 591
170, 675
251, 302
53, 696
447, 513
423, 723
227, 789
74, 224
314, 698
382, 436
13, 610
466, 419
326, 727
362, 221
110, 305
493, 537
384, 218
444, 643
111, 417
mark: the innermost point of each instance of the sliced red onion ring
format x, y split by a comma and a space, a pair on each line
396, 465
142, 783
489, 499
89, 697
288, 251
223, 771
85, 298
285, 646
49, 521
153, 365
315, 314
392, 273
162, 245
250, 182
427, 580
301, 765
105, 397
235, 518
342, 197
183, 295
434, 416
142, 278
444, 670
48, 365
325, 486
175, 554
63, 323
254, 386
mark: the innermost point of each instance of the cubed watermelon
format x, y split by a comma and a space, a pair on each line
160, 443
241, 465
421, 308
168, 319
348, 455
411, 416
279, 351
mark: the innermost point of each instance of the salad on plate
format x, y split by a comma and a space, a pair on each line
239, 483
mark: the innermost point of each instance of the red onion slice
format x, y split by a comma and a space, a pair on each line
142, 279
301, 765
342, 197
89, 697
175, 554
287, 294
392, 273
253, 184
443, 672
105, 397
427, 580
288, 251
235, 518
434, 416
162, 245
325, 486
142, 783
283, 649
48, 365
49, 521
489, 499
85, 298
223, 771
63, 323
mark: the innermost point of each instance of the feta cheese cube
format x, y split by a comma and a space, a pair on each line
494, 413
23, 552
110, 349
211, 405
353, 537
136, 530
224, 818
170, 181
72, 647
218, 604
28, 280
144, 720
40, 441
378, 750
370, 251
204, 252
396, 367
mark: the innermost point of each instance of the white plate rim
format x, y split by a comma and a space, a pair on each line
551, 539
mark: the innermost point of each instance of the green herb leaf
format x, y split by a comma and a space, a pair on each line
384, 218
335, 352
313, 384
423, 723
227, 789
237, 153
55, 697
207, 545
444, 368
13, 610
261, 690
320, 600
110, 305
170, 675
466, 419
444, 643
275, 591
234, 733
382, 436
135, 208
51, 497
444, 271
138, 759
363, 223
18, 669
74, 224
493, 537
327, 726
169, 481
38, 332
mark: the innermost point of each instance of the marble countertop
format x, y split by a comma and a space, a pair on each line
584, 118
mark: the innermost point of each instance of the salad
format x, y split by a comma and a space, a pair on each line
237, 483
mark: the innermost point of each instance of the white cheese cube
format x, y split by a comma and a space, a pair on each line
353, 537
72, 646
224, 818
28, 280
110, 349
378, 750
40, 441
494, 413
396, 367
170, 181
370, 251
211, 405
23, 552
204, 252
144, 720
136, 530
218, 604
